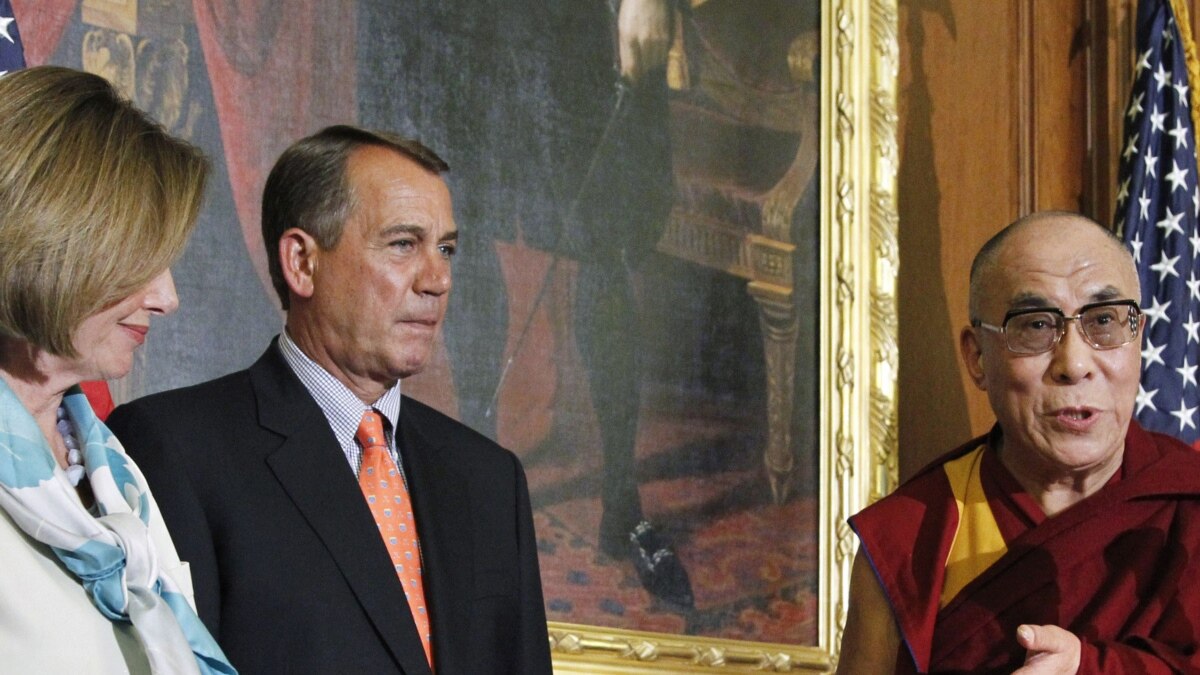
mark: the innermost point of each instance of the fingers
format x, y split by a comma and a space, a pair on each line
1048, 650
1027, 637
1045, 639
644, 36
630, 63
638, 58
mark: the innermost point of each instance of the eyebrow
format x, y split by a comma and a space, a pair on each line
1030, 300
418, 230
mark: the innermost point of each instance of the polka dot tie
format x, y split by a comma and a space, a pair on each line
387, 496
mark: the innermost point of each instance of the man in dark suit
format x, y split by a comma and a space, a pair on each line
277, 491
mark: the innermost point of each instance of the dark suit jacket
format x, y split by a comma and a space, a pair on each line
289, 570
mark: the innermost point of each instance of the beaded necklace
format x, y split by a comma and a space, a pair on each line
75, 470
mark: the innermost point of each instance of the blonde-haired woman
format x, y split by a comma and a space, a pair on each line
96, 201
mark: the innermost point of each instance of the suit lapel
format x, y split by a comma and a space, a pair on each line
311, 468
441, 506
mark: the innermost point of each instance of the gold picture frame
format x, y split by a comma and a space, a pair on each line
858, 356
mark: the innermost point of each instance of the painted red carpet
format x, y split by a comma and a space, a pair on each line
752, 564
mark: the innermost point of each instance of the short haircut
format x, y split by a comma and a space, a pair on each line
990, 250
96, 200
308, 188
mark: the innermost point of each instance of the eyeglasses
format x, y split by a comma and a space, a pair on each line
1104, 325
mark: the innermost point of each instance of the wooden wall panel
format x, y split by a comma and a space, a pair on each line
1110, 77
1005, 109
958, 180
1058, 109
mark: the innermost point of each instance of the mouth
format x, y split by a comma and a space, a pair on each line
1076, 418
136, 331
422, 322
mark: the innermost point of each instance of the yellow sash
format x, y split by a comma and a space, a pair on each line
977, 540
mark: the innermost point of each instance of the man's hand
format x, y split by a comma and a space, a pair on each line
644, 34
1049, 649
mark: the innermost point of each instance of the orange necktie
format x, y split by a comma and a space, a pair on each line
387, 496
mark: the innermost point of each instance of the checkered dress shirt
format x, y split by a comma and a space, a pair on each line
342, 408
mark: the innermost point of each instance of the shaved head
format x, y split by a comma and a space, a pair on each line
985, 261
1063, 412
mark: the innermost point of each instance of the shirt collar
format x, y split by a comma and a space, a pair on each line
343, 408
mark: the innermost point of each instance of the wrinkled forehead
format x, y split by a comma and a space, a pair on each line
1059, 263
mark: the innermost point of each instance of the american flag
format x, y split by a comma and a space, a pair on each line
1158, 205
12, 54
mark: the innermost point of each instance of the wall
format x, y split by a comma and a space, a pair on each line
1005, 108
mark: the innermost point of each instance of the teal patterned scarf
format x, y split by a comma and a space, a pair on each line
111, 553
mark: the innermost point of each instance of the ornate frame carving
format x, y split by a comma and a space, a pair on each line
858, 364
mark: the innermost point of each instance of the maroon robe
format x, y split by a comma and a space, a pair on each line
1120, 569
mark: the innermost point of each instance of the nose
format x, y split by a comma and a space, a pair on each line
160, 295
1072, 359
435, 275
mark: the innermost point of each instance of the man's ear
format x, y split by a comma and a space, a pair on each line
298, 253
972, 356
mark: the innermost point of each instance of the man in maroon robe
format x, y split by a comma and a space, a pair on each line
1068, 539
